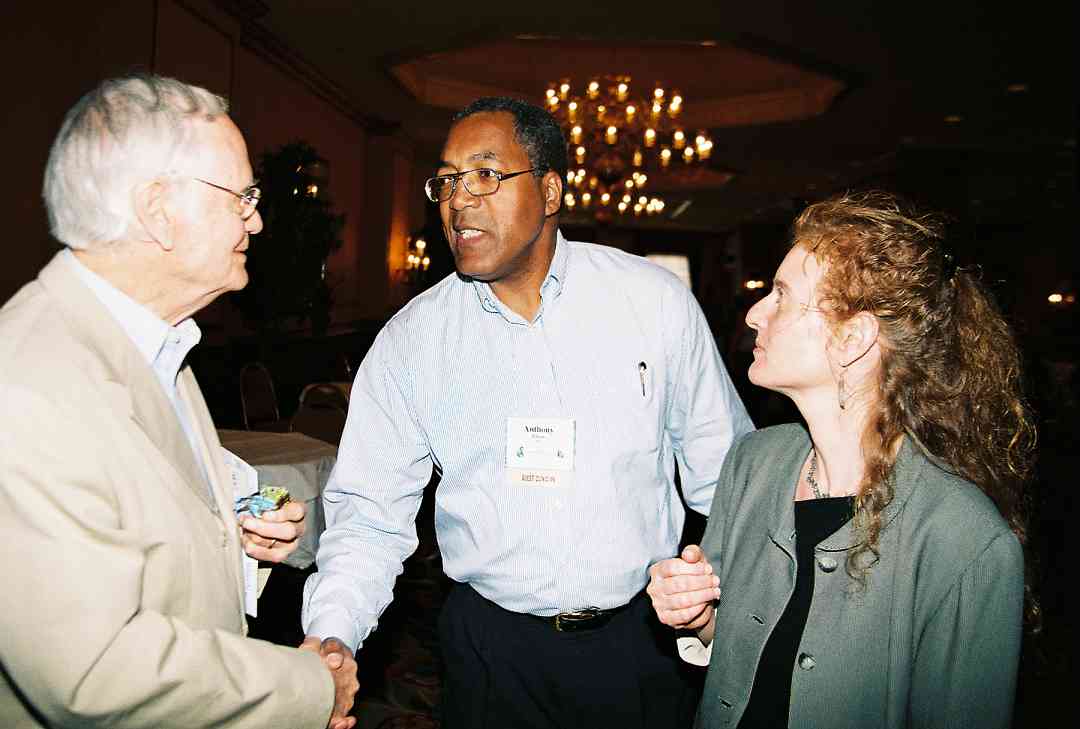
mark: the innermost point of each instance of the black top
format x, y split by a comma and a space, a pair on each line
770, 698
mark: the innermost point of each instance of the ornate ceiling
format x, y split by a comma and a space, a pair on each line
802, 99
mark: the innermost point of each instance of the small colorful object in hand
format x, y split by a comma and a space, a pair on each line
269, 498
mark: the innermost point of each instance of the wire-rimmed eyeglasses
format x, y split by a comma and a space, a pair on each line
249, 197
478, 182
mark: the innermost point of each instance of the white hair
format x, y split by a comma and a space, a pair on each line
126, 131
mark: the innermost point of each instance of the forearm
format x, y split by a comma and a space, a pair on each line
368, 537
352, 588
705, 632
707, 416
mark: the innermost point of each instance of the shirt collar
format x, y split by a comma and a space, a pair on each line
550, 289
147, 331
556, 277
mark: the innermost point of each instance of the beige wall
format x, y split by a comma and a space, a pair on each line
51, 55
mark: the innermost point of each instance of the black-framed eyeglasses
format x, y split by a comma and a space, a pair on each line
478, 182
249, 197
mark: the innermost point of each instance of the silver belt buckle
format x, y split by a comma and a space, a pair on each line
565, 621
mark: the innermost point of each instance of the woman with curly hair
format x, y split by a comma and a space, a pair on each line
867, 571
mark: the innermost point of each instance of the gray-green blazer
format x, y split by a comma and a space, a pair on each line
932, 641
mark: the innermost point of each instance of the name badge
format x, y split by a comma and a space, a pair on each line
540, 451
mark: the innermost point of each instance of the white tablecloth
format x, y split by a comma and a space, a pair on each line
297, 462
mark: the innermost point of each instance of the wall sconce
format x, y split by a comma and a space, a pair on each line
417, 260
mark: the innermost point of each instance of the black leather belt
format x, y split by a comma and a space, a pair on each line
589, 618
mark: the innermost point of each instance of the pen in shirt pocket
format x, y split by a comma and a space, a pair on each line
643, 374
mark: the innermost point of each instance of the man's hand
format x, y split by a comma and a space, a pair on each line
342, 666
276, 534
683, 589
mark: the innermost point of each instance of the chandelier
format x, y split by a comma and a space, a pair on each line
621, 143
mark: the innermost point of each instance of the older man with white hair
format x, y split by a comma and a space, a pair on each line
124, 604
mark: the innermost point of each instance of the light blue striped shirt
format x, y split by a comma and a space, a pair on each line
436, 389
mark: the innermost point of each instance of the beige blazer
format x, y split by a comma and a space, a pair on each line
123, 603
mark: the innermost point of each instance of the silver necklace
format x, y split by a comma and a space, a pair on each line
810, 473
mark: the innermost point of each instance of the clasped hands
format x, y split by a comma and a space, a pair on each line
340, 662
683, 590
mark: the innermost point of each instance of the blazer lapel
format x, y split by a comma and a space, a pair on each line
781, 480
209, 444
132, 386
217, 471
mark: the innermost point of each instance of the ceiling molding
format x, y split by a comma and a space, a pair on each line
272, 49
760, 86
766, 107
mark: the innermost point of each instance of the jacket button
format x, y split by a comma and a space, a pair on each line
827, 563
806, 661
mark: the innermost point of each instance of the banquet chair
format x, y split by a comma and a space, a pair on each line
325, 422
324, 394
258, 401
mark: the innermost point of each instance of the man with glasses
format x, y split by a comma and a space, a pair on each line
550, 383
125, 595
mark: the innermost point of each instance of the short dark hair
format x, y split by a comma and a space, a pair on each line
534, 129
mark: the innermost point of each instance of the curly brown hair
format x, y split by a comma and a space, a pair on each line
950, 367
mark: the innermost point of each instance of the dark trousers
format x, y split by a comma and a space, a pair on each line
505, 670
